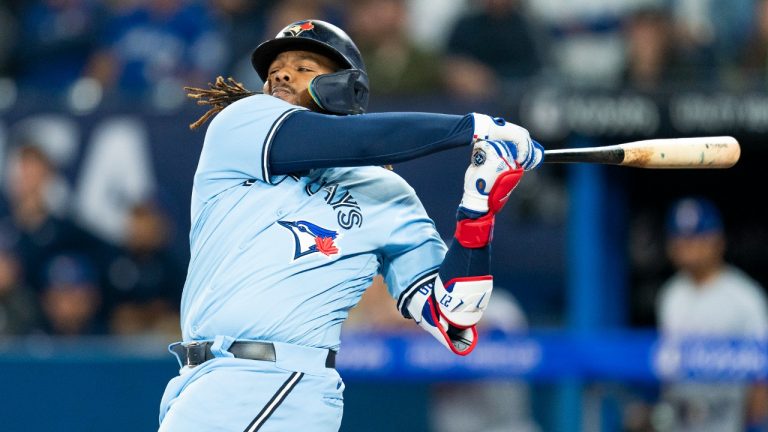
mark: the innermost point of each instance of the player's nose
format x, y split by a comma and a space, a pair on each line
282, 75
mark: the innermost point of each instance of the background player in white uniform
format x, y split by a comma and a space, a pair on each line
709, 297
284, 240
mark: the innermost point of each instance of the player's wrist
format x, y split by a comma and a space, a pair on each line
468, 213
475, 233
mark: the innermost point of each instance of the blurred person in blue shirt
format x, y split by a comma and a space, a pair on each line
56, 38
147, 44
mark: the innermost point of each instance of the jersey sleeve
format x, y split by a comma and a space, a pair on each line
237, 144
414, 249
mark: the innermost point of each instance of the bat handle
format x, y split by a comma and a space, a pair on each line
613, 155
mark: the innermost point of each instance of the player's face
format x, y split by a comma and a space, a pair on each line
290, 74
696, 254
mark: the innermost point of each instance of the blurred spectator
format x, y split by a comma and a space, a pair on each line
145, 277
158, 45
490, 46
709, 29
56, 39
754, 61
71, 298
652, 60
42, 234
394, 63
708, 297
19, 313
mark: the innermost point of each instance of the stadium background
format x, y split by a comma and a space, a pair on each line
97, 86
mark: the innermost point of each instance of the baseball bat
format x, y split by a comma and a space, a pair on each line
699, 152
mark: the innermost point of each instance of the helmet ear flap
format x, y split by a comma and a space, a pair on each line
343, 92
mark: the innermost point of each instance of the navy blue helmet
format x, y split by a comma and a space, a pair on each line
344, 92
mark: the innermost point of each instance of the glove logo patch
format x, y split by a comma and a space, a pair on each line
478, 157
310, 238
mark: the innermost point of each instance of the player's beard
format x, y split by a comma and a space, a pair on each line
300, 98
305, 100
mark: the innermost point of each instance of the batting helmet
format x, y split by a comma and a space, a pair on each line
342, 92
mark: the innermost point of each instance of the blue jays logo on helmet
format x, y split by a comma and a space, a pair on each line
310, 238
299, 28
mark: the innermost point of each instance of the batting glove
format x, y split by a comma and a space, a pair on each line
450, 312
488, 182
527, 153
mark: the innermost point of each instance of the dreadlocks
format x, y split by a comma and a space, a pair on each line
218, 96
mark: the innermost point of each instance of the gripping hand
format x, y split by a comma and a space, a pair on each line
527, 153
492, 175
450, 312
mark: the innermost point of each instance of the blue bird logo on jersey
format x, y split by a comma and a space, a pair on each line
310, 238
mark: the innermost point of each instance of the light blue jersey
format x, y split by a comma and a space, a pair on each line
283, 258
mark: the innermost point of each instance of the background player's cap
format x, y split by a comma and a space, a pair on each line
68, 269
691, 216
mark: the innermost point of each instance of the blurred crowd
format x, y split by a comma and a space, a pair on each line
88, 51
470, 49
59, 278
66, 270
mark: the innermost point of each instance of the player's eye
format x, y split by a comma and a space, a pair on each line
304, 69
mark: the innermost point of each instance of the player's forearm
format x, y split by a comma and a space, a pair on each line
461, 262
308, 140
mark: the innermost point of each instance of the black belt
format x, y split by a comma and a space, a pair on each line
195, 353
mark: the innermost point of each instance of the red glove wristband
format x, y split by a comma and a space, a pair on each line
475, 233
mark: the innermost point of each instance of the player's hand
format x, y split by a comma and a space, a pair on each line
526, 152
450, 313
491, 176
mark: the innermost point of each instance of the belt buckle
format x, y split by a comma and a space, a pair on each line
195, 353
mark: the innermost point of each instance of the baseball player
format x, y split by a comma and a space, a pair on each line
709, 297
293, 216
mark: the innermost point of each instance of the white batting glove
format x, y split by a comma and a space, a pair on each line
488, 182
491, 160
527, 153
450, 312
